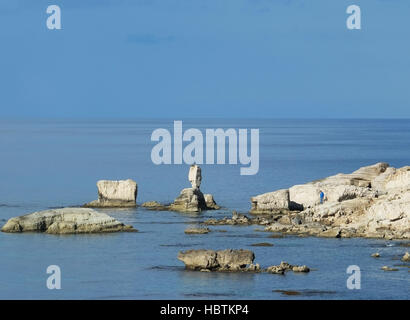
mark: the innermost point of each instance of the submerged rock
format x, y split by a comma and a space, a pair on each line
66, 221
113, 194
288, 292
262, 244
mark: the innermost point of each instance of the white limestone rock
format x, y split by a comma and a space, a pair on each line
112, 194
192, 199
194, 176
271, 202
65, 221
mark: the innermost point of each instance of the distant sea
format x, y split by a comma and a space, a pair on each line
56, 163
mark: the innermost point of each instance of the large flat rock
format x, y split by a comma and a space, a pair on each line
65, 221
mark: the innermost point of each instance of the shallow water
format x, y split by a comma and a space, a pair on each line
57, 163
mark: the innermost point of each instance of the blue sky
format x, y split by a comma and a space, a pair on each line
205, 58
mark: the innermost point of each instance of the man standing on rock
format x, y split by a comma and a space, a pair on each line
322, 197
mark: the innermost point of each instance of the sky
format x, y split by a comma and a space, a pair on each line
205, 58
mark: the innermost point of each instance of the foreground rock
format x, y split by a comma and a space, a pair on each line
114, 194
66, 221
373, 202
190, 200
222, 260
231, 260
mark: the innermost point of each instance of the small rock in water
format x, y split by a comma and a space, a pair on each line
276, 270
284, 266
154, 205
376, 255
406, 257
262, 244
197, 230
387, 268
276, 236
300, 269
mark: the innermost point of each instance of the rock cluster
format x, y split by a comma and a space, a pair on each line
373, 201
190, 199
115, 194
284, 266
66, 221
231, 260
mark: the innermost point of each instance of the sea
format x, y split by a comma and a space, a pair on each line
53, 163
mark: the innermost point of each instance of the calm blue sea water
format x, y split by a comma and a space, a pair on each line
57, 163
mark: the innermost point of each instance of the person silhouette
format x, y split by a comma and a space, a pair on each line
322, 196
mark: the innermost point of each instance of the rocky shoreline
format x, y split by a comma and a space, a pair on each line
372, 202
